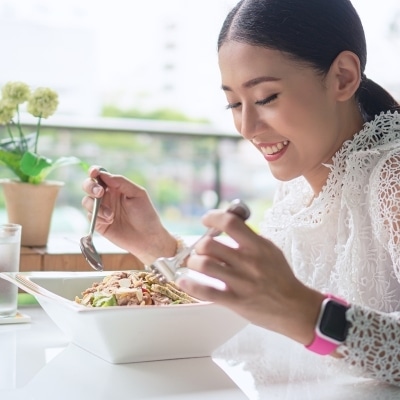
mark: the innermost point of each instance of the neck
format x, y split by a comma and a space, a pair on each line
350, 123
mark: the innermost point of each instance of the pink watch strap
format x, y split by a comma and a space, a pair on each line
321, 345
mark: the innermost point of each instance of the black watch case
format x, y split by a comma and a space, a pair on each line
333, 324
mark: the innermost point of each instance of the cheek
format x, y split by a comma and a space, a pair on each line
237, 120
306, 121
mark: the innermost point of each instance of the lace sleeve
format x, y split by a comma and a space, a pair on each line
385, 206
372, 347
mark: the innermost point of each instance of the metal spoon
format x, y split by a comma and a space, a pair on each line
86, 243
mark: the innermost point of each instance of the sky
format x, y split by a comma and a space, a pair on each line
101, 51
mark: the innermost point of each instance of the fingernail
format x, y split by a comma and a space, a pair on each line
181, 282
97, 190
107, 213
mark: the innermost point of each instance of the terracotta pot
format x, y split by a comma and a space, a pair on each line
32, 207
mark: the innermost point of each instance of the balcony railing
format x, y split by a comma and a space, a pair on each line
187, 168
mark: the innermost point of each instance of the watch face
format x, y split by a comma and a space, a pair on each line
333, 322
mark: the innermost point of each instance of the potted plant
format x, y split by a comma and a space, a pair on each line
30, 198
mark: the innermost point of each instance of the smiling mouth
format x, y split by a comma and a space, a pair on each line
274, 149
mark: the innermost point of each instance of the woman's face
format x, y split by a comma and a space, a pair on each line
285, 109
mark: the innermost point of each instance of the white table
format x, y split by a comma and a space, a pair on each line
38, 363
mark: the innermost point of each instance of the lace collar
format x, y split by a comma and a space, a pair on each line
382, 130
377, 135
350, 167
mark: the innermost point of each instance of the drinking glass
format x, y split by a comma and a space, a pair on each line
10, 249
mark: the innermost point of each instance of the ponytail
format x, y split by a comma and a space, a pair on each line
374, 99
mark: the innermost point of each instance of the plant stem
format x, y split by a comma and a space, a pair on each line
23, 144
37, 133
10, 133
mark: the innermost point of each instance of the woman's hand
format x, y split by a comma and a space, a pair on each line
127, 217
260, 285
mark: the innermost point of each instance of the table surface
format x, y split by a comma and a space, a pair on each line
38, 362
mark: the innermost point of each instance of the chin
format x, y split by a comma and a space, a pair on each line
283, 176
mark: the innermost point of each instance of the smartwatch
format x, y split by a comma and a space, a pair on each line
332, 326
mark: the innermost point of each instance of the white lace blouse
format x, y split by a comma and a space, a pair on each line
347, 242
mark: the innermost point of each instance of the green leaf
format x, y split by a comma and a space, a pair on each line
32, 164
12, 161
60, 162
39, 167
33, 168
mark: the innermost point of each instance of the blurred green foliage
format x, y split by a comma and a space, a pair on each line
175, 170
162, 114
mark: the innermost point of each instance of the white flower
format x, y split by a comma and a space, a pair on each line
7, 111
43, 102
16, 92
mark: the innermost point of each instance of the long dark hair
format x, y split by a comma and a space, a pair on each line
311, 31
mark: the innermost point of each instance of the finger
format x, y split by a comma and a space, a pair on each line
204, 292
232, 277
111, 181
222, 253
104, 215
91, 187
94, 171
98, 183
122, 185
231, 224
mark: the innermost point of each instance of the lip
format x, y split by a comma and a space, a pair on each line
275, 156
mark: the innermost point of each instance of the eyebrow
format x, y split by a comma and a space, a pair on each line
253, 82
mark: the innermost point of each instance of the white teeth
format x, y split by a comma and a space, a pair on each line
269, 150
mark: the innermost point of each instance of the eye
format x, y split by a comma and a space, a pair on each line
233, 105
267, 100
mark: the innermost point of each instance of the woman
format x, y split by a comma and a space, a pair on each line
326, 271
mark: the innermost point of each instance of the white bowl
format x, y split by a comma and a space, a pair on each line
129, 334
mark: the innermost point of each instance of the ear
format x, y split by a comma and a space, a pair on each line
345, 75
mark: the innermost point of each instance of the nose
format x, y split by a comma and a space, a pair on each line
248, 123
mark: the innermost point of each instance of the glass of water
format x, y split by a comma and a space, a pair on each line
10, 249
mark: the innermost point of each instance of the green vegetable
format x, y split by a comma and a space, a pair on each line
104, 301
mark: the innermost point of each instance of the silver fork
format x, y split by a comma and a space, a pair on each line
165, 268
